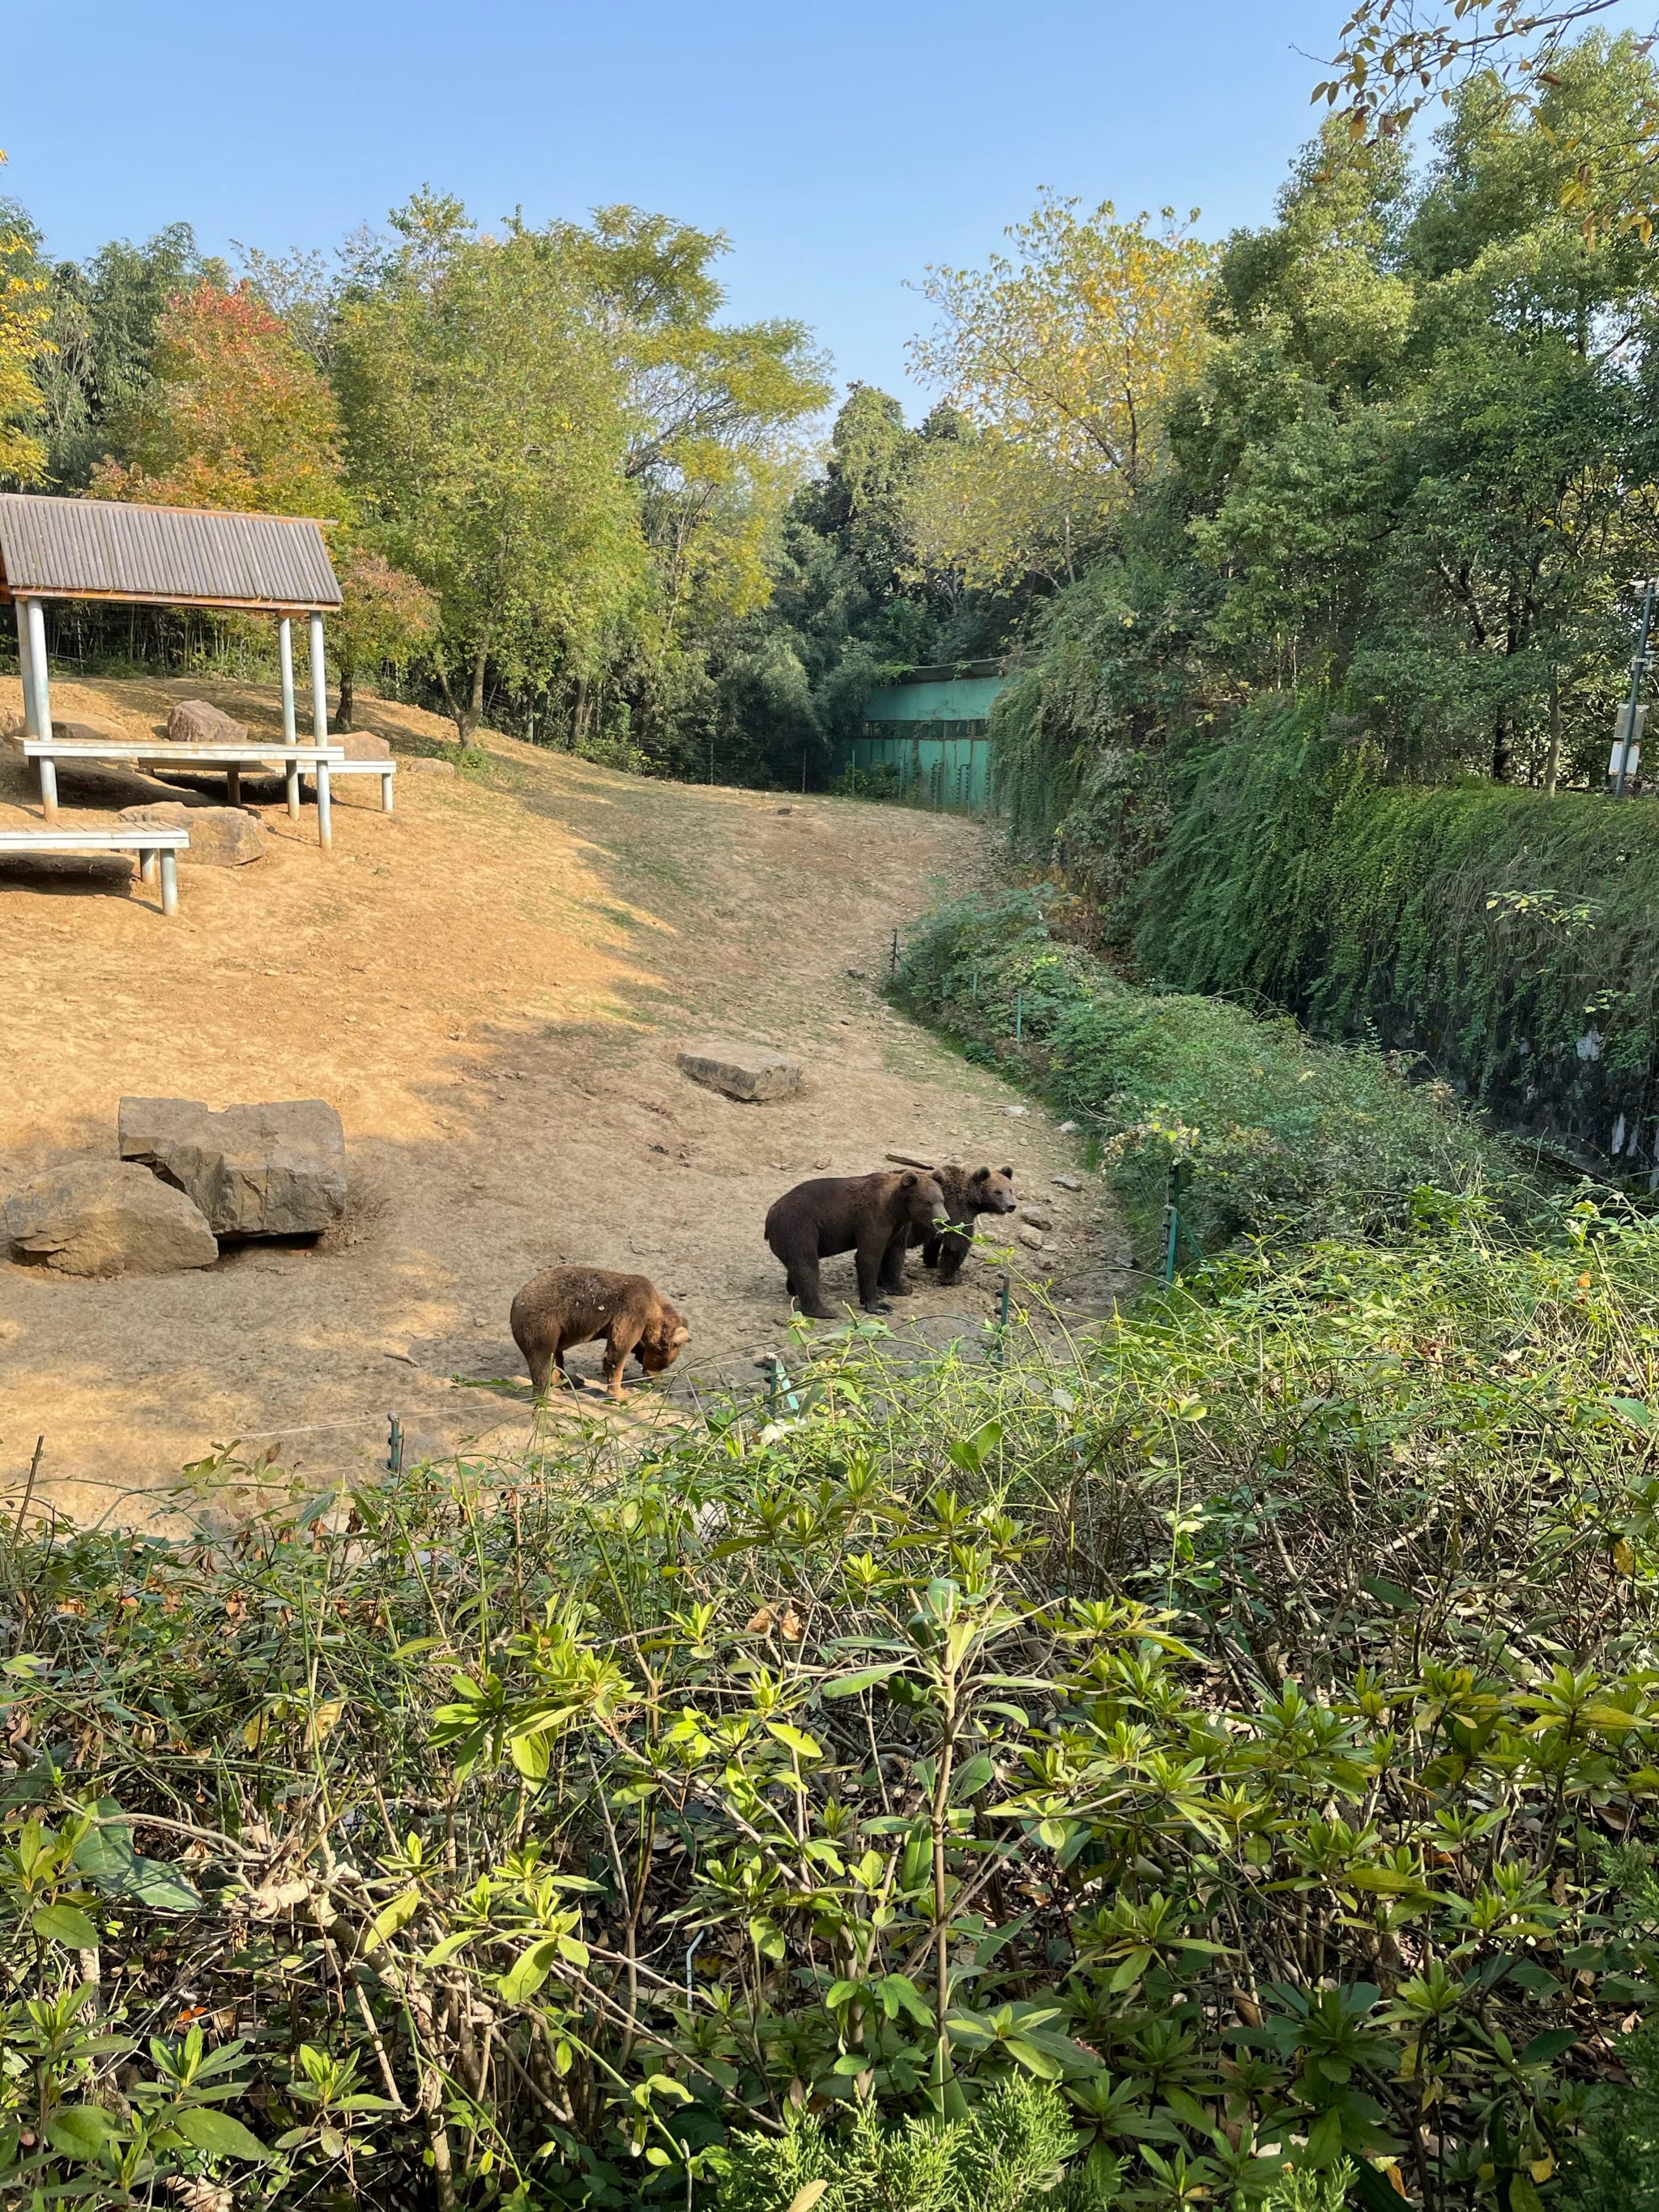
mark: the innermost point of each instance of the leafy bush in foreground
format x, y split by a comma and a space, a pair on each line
1242, 1728
1285, 1135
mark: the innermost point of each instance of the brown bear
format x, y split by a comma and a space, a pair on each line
572, 1305
870, 1216
968, 1194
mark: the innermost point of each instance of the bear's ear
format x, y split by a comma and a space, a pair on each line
982, 1174
1009, 1173
906, 1183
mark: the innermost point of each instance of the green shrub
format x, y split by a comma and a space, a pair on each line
1009, 2154
1286, 1136
1220, 1726
1512, 936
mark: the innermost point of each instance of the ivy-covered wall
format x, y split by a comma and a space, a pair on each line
1510, 936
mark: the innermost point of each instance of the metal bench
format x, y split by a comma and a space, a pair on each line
157, 849
318, 761
385, 769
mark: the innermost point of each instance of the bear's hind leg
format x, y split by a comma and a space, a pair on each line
805, 1287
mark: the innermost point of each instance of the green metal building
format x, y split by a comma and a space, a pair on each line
925, 737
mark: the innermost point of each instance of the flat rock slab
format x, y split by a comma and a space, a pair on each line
199, 723
220, 837
106, 1217
747, 1072
276, 1170
422, 766
361, 745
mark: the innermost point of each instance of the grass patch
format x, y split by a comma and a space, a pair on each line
1282, 1137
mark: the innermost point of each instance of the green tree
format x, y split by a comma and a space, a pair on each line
487, 432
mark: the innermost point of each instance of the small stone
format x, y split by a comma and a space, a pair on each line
103, 1217
199, 723
273, 1169
1015, 1112
1068, 1182
748, 1073
1032, 1239
220, 837
1038, 1220
1066, 1128
426, 768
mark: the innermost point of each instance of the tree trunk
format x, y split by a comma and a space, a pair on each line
1552, 765
1503, 749
475, 706
342, 713
580, 712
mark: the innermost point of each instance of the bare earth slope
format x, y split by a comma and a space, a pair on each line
490, 985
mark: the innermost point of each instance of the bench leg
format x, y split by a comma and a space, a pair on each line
293, 793
169, 882
386, 795
324, 810
233, 786
49, 790
147, 864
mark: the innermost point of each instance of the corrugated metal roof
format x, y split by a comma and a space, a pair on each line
103, 549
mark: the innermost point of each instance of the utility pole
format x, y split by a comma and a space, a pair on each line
1648, 587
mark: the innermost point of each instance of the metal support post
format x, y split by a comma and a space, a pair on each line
318, 683
1638, 669
1171, 1221
42, 685
290, 730
26, 663
324, 810
48, 788
169, 882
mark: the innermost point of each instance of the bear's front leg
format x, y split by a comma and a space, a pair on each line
870, 1259
891, 1277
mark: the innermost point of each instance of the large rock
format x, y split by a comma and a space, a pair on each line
220, 837
199, 723
421, 765
93, 729
361, 745
277, 1169
746, 1071
104, 1217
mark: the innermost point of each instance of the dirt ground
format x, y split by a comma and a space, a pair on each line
490, 985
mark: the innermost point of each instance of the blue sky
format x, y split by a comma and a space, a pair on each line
842, 149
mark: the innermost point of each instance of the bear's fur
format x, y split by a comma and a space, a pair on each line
568, 1306
870, 1216
968, 1194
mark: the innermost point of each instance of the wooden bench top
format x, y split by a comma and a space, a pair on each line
95, 840
57, 749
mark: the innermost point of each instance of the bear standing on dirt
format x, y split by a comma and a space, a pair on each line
967, 1195
870, 1216
572, 1305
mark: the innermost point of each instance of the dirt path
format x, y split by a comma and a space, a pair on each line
490, 985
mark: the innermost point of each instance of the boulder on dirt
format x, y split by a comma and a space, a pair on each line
199, 723
744, 1071
106, 1217
93, 729
220, 837
361, 745
422, 766
274, 1170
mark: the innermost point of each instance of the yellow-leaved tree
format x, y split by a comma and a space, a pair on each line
25, 315
1061, 358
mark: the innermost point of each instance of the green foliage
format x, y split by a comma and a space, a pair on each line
1509, 936
1008, 2154
1219, 1723
1286, 1136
